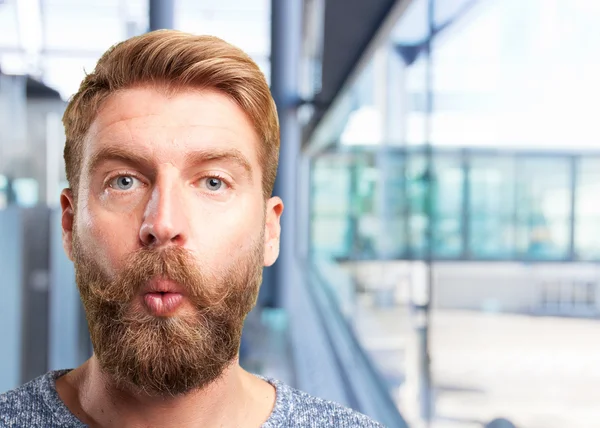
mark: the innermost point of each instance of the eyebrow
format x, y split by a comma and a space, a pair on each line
196, 157
107, 154
229, 155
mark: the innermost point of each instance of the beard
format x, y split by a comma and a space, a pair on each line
162, 356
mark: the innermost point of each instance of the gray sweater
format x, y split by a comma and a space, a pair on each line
37, 404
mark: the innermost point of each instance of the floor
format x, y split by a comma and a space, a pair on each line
537, 372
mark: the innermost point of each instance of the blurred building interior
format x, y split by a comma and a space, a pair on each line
440, 166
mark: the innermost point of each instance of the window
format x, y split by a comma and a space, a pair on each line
448, 196
587, 210
330, 220
543, 199
491, 207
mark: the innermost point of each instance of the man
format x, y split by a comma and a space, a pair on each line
171, 155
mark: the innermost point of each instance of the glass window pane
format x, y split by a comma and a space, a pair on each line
491, 236
363, 193
587, 209
331, 206
449, 178
447, 238
416, 195
543, 207
491, 207
448, 206
331, 236
391, 205
330, 186
26, 191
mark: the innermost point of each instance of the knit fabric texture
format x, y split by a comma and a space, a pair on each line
37, 404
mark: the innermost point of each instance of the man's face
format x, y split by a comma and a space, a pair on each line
169, 234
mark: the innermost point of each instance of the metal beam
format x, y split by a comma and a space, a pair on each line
162, 14
286, 42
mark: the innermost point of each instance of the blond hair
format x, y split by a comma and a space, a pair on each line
175, 61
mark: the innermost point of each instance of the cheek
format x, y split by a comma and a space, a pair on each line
227, 235
107, 237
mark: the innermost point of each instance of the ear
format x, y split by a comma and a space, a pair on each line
68, 214
274, 210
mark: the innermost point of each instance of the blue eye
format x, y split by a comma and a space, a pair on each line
123, 182
213, 183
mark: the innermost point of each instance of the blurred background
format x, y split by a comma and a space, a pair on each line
440, 166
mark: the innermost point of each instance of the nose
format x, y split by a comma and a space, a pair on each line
164, 221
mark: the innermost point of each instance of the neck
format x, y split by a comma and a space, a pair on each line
235, 399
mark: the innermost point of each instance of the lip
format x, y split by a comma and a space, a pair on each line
162, 304
162, 296
162, 285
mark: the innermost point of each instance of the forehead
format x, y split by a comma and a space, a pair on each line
170, 126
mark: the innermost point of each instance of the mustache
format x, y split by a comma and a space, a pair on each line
173, 263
